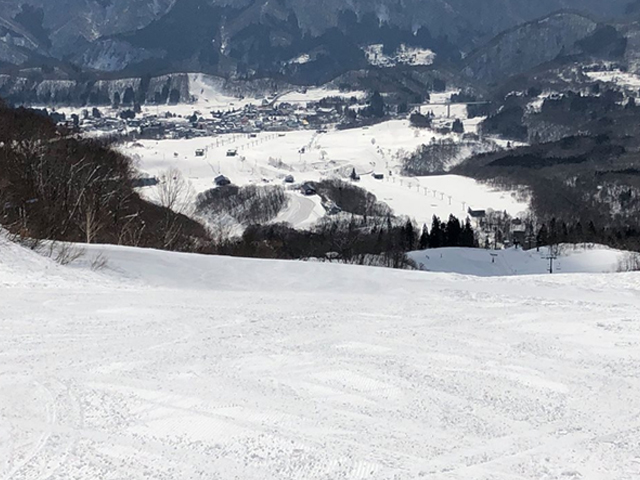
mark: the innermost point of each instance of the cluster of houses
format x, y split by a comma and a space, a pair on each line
251, 119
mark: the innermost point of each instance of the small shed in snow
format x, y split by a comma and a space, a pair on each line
221, 181
308, 189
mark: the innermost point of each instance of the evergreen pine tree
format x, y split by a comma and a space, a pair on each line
376, 105
552, 232
129, 96
453, 232
436, 237
424, 238
468, 238
409, 236
542, 238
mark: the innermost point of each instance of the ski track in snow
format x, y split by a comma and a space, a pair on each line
173, 366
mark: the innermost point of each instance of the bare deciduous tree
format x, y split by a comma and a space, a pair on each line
175, 192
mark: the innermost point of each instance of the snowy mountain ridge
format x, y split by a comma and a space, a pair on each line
242, 38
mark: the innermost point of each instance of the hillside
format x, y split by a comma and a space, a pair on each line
524, 47
177, 366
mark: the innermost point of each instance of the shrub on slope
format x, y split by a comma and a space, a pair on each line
352, 199
247, 205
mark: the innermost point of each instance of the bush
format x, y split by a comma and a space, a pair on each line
351, 199
420, 121
247, 205
630, 262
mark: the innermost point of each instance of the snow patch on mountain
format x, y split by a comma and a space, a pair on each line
114, 55
301, 59
405, 55
616, 77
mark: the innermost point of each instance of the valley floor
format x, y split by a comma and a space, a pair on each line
269, 158
172, 366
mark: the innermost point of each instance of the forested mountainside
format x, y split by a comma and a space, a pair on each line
586, 182
306, 40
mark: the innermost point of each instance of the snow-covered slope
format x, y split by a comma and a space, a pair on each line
269, 157
22, 266
487, 263
171, 366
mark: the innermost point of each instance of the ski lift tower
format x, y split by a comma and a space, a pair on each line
551, 257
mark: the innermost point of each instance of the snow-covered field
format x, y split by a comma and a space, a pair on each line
422, 197
175, 366
208, 94
438, 105
269, 157
487, 263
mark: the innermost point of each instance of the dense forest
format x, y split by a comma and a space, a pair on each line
582, 188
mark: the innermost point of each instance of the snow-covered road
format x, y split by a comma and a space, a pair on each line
302, 211
170, 366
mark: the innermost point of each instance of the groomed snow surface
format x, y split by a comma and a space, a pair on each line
174, 366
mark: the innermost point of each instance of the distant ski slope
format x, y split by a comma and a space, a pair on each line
487, 263
176, 366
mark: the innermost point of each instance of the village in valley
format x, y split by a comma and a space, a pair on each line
297, 138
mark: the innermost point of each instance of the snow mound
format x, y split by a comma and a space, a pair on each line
185, 271
21, 266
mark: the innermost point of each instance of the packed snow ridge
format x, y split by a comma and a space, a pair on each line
166, 366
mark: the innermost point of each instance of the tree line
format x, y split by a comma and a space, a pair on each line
452, 233
351, 239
